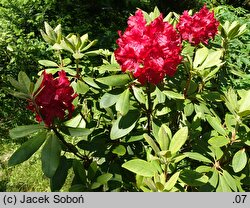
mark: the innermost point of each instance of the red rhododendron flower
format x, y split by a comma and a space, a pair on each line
198, 28
53, 98
149, 51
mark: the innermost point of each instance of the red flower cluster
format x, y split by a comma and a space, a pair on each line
199, 27
149, 51
53, 98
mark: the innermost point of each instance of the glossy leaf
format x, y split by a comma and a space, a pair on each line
140, 167
81, 87
178, 140
59, 178
110, 98
48, 63
24, 80
115, 80
215, 123
124, 124
193, 178
230, 180
27, 149
78, 132
197, 156
123, 103
219, 141
171, 181
22, 131
164, 137
223, 186
244, 108
200, 56
119, 150
173, 95
213, 181
151, 143
50, 155
239, 161
104, 178
79, 171
138, 92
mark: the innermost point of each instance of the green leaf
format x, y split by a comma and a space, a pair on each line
24, 80
212, 59
55, 70
197, 156
138, 92
22, 131
104, 178
140, 167
239, 160
77, 188
124, 124
76, 122
81, 87
92, 43
90, 81
49, 31
214, 178
115, 80
223, 187
230, 180
151, 142
123, 103
79, 171
171, 181
109, 68
219, 141
178, 140
38, 84
164, 137
173, 95
17, 94
110, 98
215, 123
27, 149
203, 169
160, 96
59, 178
47, 38
48, 63
79, 132
92, 170
233, 30
119, 150
78, 55
50, 155
244, 108
16, 84
200, 56
193, 178
189, 109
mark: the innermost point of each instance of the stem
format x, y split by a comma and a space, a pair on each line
149, 110
187, 85
140, 104
70, 147
60, 57
77, 69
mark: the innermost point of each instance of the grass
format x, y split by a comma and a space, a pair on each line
25, 177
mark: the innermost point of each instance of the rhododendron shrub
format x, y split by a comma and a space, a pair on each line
53, 98
149, 51
133, 128
198, 28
